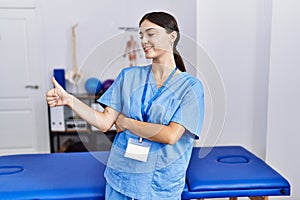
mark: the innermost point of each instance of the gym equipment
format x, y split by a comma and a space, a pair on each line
106, 84
93, 86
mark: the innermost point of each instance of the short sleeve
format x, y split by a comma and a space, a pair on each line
190, 113
112, 97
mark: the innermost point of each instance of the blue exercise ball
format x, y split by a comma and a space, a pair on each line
93, 86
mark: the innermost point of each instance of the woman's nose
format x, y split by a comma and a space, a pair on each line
144, 40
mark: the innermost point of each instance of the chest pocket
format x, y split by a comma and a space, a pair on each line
161, 111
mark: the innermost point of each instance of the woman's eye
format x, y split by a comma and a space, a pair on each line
148, 35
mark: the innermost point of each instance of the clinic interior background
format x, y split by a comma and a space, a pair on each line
252, 43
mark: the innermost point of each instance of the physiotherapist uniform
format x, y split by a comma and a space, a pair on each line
162, 174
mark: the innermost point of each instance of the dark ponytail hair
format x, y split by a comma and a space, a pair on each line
168, 22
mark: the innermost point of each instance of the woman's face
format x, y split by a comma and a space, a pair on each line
155, 41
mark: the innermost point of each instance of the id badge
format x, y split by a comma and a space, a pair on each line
137, 150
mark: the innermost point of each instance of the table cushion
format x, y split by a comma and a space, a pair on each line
231, 171
53, 176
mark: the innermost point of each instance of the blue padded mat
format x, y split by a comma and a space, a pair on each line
53, 176
231, 171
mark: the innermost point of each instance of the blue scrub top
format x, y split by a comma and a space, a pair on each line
182, 101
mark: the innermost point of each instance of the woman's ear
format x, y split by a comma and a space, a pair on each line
173, 36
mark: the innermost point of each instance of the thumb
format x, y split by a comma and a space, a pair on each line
55, 83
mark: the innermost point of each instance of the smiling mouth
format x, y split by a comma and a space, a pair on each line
147, 48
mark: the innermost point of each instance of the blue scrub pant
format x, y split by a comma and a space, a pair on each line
111, 194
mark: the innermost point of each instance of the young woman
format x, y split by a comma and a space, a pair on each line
158, 112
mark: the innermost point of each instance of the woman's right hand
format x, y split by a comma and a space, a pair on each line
57, 96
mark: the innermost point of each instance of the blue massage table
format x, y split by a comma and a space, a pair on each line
231, 171
228, 171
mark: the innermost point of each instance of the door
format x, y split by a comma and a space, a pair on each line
23, 111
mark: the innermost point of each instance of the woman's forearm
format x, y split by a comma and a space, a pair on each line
169, 134
101, 120
57, 96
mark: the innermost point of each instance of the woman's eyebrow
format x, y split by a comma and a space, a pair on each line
147, 30
150, 29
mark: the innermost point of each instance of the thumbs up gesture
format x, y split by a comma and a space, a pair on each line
57, 96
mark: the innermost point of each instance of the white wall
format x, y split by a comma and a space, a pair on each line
255, 45
98, 22
284, 93
236, 36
